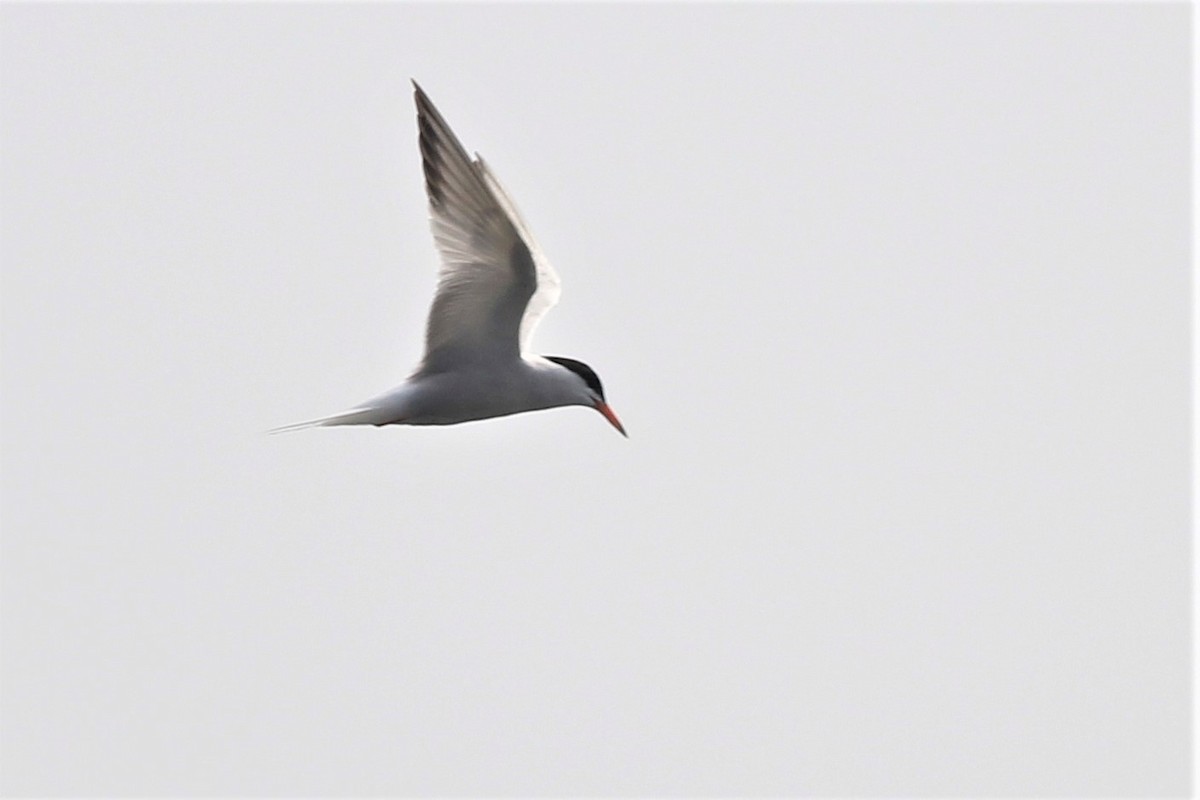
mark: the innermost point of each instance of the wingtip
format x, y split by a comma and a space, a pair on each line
419, 93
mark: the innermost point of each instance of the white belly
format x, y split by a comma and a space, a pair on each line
453, 397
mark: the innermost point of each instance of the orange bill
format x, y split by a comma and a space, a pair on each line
611, 417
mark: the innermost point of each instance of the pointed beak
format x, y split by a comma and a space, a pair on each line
611, 417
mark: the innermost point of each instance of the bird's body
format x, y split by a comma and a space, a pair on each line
493, 288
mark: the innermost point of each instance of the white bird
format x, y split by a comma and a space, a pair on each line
494, 286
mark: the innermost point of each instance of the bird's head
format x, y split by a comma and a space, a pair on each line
588, 389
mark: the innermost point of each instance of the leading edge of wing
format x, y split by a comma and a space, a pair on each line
549, 287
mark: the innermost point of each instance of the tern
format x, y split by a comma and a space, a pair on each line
494, 286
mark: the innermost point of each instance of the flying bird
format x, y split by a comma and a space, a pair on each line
494, 286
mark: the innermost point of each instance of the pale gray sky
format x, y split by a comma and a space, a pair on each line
893, 300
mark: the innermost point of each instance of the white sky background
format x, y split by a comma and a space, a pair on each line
893, 301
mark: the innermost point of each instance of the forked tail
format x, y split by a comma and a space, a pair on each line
355, 416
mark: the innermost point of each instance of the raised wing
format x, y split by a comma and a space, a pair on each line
493, 284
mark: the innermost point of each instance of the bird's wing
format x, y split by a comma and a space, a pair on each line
493, 284
545, 297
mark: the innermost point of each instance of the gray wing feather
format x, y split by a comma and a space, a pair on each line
491, 268
549, 287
